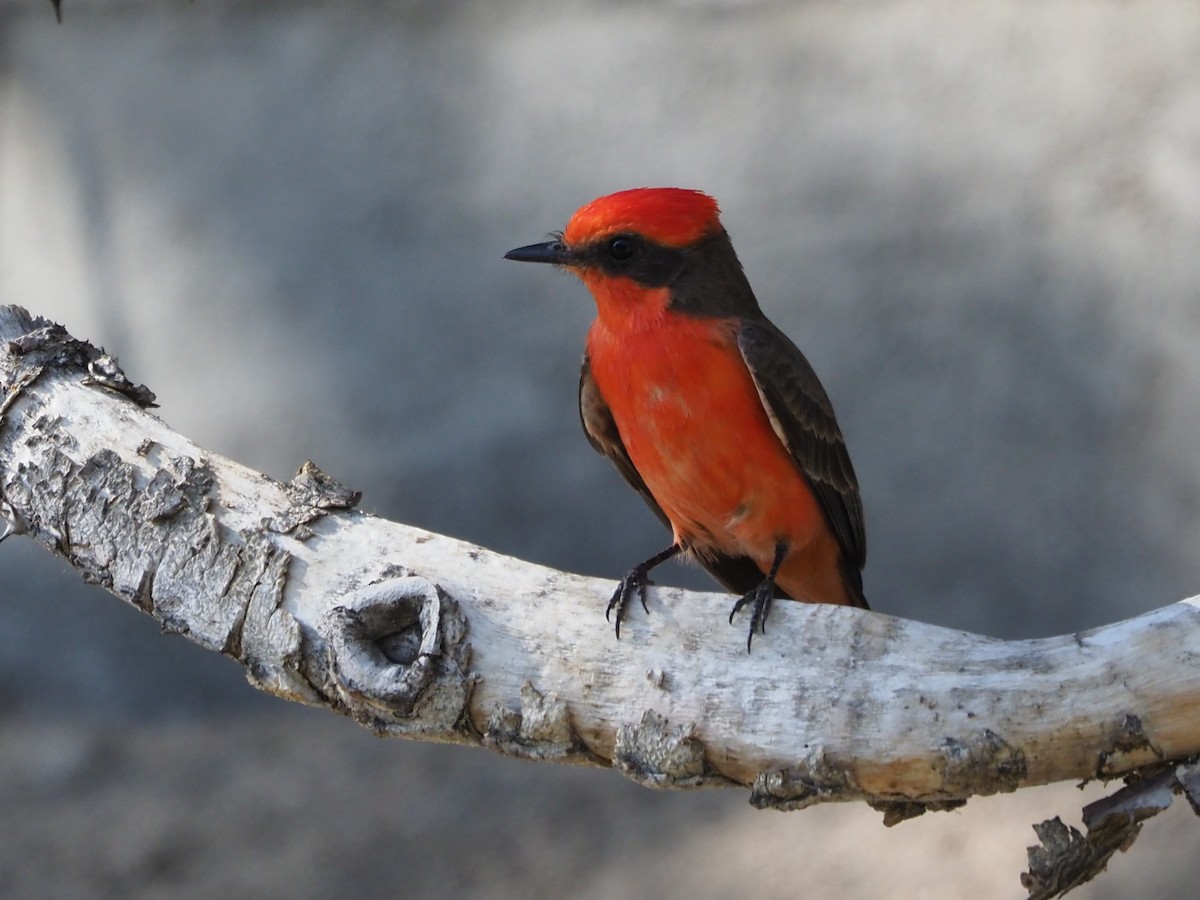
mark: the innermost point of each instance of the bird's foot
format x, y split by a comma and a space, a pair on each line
634, 584
760, 598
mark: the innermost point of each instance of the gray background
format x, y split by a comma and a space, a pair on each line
979, 221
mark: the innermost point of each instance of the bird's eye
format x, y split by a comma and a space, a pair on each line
622, 249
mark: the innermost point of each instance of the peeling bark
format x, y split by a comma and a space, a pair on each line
418, 635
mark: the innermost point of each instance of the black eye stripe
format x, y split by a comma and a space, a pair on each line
632, 256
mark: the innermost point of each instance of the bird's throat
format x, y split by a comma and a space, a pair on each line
625, 307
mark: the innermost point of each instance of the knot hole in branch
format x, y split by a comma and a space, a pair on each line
397, 656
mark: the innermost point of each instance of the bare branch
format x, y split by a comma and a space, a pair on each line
419, 635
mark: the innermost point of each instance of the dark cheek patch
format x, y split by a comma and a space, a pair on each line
652, 267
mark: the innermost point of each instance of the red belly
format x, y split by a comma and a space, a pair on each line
695, 428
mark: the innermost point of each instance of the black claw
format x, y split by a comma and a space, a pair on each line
635, 582
761, 597
742, 601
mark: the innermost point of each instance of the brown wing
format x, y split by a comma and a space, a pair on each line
802, 416
738, 573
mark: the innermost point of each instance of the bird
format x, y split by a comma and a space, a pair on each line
706, 408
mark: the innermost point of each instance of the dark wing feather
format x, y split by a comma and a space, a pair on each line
738, 573
802, 416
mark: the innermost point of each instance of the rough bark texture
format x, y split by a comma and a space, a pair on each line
418, 635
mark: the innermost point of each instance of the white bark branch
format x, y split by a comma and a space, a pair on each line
424, 636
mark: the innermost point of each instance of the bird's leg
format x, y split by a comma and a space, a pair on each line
635, 582
761, 597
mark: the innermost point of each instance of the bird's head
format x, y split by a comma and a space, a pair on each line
669, 217
641, 248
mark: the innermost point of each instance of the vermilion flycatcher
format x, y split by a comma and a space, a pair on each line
706, 408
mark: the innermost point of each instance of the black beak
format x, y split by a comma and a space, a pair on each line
554, 252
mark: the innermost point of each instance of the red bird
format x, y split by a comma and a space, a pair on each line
706, 408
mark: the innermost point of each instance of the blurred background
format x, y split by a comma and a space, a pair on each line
980, 222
